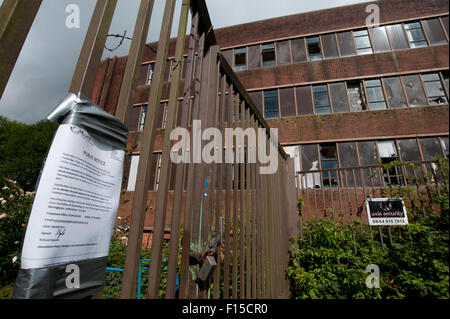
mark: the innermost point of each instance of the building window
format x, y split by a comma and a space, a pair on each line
431, 148
339, 97
433, 87
376, 95
397, 36
321, 99
166, 111
394, 92
445, 145
329, 161
268, 54
434, 31
363, 45
150, 73
271, 104
240, 59
357, 97
314, 49
380, 39
330, 49
158, 173
415, 35
346, 44
414, 90
388, 153
143, 116
133, 173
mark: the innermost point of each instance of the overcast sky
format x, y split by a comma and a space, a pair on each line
42, 75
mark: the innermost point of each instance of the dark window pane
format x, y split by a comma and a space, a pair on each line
283, 53
394, 92
321, 100
349, 158
445, 23
368, 153
434, 89
287, 101
414, 90
268, 54
143, 74
328, 159
330, 49
346, 44
409, 150
257, 98
434, 30
304, 100
314, 49
254, 56
415, 35
375, 95
397, 37
310, 159
380, 40
431, 148
357, 97
298, 50
339, 98
271, 104
133, 118
240, 59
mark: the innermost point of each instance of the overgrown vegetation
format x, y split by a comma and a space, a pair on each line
332, 256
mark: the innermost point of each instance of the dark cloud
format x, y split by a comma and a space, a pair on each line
42, 75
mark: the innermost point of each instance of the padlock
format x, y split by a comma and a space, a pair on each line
207, 269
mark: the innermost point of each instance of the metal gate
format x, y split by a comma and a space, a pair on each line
230, 214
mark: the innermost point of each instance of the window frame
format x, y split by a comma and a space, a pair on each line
361, 36
274, 54
278, 104
245, 65
423, 33
308, 55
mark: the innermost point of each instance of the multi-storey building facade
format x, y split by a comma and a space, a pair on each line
341, 94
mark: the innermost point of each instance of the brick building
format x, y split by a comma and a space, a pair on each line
340, 93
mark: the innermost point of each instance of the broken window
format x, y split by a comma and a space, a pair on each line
362, 41
287, 102
304, 100
368, 157
434, 31
150, 73
434, 89
240, 59
415, 35
271, 104
158, 172
166, 112
394, 92
349, 158
375, 95
254, 56
298, 50
310, 162
329, 161
397, 36
431, 148
330, 49
409, 152
414, 90
314, 49
268, 54
380, 39
321, 99
339, 97
283, 52
388, 153
143, 117
357, 96
346, 44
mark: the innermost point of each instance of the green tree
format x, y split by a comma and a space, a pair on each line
23, 149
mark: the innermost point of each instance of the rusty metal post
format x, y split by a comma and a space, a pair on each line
16, 18
132, 69
87, 67
145, 164
163, 190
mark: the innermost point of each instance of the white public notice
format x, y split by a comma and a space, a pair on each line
76, 203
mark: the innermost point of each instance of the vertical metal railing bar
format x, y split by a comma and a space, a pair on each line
166, 165
241, 152
235, 204
16, 19
255, 199
134, 60
89, 60
146, 166
180, 169
186, 282
248, 220
229, 191
259, 220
